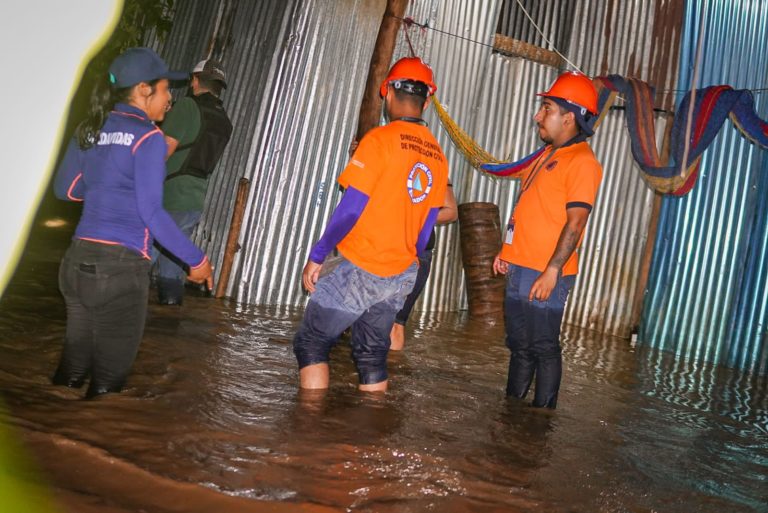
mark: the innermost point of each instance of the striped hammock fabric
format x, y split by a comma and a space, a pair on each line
712, 106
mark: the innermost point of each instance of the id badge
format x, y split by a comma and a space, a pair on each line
510, 231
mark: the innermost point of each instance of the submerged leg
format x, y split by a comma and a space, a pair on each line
319, 330
119, 325
75, 363
522, 363
547, 318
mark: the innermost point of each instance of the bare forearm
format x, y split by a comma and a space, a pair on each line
449, 211
566, 245
447, 215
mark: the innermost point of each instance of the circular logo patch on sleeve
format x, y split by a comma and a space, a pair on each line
419, 182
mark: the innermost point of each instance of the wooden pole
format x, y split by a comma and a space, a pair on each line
370, 108
480, 235
233, 246
650, 242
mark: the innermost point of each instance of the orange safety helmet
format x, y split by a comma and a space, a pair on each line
576, 88
409, 68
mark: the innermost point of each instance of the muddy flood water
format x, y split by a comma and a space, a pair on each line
212, 420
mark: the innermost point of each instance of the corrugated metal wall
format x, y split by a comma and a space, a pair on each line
463, 70
309, 121
245, 36
555, 19
294, 114
492, 97
634, 39
296, 70
708, 290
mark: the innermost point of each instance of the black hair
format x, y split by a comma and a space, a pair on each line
214, 86
101, 102
566, 107
414, 100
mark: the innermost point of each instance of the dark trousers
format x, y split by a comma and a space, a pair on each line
171, 272
533, 336
425, 265
105, 288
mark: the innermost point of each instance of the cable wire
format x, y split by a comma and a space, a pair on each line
408, 22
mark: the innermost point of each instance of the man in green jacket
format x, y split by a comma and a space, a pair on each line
197, 130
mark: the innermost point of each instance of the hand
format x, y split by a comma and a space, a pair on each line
310, 275
544, 285
500, 266
352, 147
202, 274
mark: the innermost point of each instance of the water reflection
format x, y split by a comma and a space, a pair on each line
212, 411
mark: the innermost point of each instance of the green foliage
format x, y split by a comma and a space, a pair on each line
140, 18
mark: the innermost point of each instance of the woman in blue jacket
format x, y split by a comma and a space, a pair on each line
115, 165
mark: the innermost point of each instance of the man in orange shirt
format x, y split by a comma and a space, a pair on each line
539, 257
395, 185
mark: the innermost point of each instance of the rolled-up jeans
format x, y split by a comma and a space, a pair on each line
105, 288
351, 296
533, 336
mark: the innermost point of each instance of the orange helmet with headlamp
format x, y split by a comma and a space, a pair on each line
410, 69
575, 88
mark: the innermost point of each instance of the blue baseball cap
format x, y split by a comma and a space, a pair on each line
140, 65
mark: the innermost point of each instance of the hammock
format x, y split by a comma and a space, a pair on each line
712, 105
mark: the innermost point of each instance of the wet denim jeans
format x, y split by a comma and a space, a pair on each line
105, 288
533, 336
350, 296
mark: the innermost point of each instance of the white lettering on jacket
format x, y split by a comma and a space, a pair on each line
121, 138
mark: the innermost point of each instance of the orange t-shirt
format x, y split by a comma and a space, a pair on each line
569, 177
404, 172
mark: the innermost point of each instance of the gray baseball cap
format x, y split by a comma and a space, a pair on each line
211, 69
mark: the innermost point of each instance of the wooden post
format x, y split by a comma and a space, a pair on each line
370, 108
480, 235
650, 242
232, 246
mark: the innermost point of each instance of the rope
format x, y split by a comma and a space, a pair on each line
425, 26
472, 151
408, 22
554, 49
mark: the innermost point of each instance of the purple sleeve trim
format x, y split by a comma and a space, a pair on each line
66, 185
426, 230
348, 211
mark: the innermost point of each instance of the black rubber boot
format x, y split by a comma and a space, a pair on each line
170, 292
67, 379
95, 391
